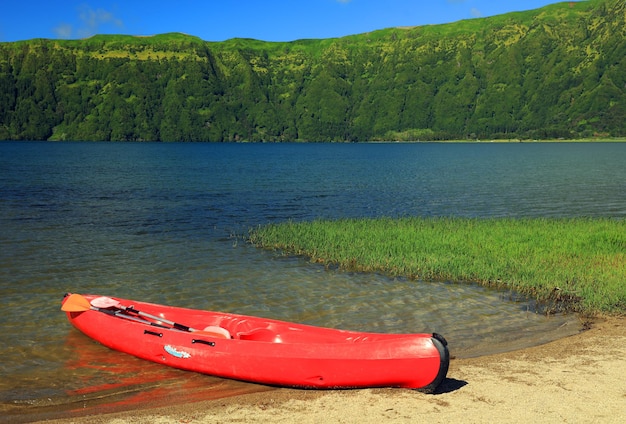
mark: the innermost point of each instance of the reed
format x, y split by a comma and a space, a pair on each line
578, 264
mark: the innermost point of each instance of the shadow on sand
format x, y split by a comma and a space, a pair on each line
450, 385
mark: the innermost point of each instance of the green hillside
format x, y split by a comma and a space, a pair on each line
555, 72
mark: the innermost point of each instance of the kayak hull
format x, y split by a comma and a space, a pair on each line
269, 351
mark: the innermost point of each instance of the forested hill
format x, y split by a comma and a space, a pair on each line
555, 72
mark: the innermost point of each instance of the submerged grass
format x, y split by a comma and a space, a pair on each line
578, 264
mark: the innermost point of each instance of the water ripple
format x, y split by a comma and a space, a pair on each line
162, 223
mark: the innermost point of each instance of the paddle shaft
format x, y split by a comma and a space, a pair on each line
80, 303
156, 318
128, 317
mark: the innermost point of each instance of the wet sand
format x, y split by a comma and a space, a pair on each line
579, 379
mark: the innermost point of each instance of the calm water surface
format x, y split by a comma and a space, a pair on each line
163, 223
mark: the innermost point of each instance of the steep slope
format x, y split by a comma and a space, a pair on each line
552, 72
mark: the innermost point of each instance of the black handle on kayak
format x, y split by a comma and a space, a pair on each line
206, 342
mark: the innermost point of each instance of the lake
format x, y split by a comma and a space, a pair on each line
166, 223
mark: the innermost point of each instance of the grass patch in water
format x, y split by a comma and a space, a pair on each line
577, 264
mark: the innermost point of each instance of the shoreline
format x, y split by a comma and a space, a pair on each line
577, 378
418, 141
503, 140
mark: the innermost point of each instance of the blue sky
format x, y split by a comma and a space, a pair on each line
217, 20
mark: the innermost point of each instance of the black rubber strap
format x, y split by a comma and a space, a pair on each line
206, 342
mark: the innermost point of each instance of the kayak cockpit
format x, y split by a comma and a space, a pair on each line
261, 335
298, 335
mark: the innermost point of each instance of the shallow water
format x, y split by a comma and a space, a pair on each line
164, 223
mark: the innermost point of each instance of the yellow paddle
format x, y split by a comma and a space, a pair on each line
77, 303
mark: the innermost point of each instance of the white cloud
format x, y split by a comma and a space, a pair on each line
63, 31
90, 21
476, 13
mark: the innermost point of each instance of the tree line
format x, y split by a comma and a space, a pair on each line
556, 72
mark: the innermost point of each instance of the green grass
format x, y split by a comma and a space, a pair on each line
580, 263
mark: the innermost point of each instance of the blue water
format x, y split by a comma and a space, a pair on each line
166, 223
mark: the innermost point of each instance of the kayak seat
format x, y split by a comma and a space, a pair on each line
261, 335
217, 331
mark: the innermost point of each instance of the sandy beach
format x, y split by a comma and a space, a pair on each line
578, 379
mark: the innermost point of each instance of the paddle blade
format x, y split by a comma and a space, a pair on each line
75, 303
104, 302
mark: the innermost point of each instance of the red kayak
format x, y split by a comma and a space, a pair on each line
260, 350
